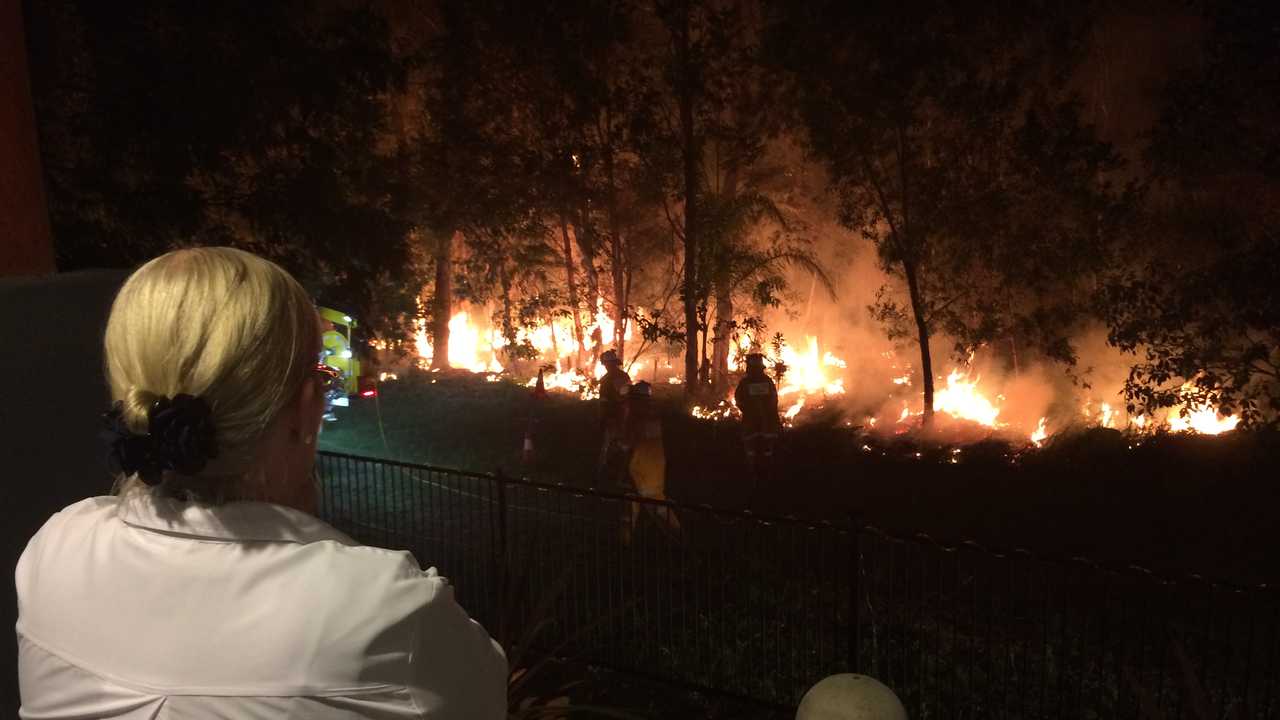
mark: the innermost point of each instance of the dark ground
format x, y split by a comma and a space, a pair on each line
1176, 504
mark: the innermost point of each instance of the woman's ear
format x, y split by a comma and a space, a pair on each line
309, 408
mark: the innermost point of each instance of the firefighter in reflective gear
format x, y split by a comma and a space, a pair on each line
613, 414
647, 464
757, 400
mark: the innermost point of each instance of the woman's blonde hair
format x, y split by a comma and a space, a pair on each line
220, 324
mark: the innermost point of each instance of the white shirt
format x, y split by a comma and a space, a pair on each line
145, 607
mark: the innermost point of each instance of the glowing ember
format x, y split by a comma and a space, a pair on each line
722, 410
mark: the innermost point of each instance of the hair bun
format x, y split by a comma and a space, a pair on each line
182, 431
180, 437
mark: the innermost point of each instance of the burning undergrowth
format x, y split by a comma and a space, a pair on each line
873, 392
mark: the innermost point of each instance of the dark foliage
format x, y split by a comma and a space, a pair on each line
241, 123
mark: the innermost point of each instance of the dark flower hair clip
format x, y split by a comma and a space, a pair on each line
180, 437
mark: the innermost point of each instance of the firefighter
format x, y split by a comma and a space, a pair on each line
647, 464
613, 412
757, 400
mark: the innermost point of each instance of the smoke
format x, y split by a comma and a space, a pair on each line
882, 377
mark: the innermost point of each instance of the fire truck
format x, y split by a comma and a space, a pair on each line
337, 353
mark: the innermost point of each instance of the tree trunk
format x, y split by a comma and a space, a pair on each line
617, 244
573, 293
508, 327
724, 298
626, 283
585, 236
555, 344
618, 261
723, 339
442, 301
922, 330
690, 151
704, 362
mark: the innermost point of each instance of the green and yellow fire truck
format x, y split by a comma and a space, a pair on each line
338, 354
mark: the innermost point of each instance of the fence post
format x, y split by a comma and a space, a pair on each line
500, 560
855, 587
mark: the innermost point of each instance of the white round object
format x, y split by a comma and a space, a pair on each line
850, 697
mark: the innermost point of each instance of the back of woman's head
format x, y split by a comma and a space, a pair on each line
219, 324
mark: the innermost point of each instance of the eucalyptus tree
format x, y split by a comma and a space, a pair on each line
953, 145
473, 172
718, 107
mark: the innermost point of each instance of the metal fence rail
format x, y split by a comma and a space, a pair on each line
764, 607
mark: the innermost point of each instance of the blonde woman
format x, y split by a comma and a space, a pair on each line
204, 587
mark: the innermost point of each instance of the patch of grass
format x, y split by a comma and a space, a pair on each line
463, 421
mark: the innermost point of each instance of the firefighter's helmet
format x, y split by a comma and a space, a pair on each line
609, 358
755, 361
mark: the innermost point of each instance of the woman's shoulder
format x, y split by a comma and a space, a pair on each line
87, 511
367, 589
65, 530
98, 504
367, 569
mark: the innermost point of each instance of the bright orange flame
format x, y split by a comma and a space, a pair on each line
1105, 416
469, 348
477, 350
1202, 419
961, 399
794, 410
1038, 437
809, 374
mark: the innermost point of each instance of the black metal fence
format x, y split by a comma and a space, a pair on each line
764, 607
